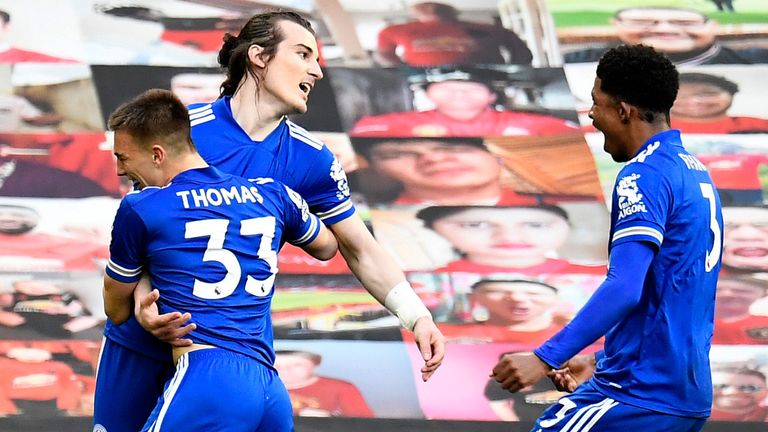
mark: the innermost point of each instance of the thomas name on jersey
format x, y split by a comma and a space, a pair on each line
205, 197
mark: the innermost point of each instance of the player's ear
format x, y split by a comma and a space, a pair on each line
158, 155
255, 56
625, 111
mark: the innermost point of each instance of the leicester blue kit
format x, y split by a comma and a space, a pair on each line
665, 196
656, 359
209, 243
289, 155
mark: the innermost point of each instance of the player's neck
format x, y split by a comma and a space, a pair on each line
186, 162
641, 132
258, 118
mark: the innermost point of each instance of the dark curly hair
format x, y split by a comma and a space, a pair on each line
641, 76
260, 30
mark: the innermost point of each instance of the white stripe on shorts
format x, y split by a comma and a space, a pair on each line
588, 415
170, 392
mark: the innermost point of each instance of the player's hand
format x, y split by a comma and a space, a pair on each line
170, 327
431, 344
519, 370
575, 371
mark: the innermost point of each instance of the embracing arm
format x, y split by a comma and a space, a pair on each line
117, 299
386, 282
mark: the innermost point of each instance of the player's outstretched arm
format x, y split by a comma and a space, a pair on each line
386, 282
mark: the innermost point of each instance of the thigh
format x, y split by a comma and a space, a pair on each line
215, 390
128, 385
589, 410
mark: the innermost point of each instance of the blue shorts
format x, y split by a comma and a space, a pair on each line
219, 390
587, 409
128, 385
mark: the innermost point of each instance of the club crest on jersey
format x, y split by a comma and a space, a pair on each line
630, 199
340, 177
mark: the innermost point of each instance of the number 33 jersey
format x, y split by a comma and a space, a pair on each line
658, 356
209, 242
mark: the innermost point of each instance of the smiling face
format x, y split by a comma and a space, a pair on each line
504, 236
745, 238
433, 166
605, 118
135, 162
701, 101
292, 72
510, 303
668, 30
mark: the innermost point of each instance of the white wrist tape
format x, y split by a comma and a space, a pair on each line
403, 302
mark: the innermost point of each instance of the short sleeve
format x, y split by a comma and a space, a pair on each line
301, 226
642, 199
127, 248
329, 195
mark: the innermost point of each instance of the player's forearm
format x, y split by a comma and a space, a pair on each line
614, 299
375, 269
378, 272
117, 300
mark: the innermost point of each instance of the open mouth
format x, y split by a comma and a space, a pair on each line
305, 87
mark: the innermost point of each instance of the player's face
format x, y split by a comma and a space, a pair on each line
436, 167
605, 118
460, 100
196, 88
294, 368
667, 30
735, 392
735, 297
291, 74
135, 162
701, 100
17, 219
513, 303
504, 235
745, 238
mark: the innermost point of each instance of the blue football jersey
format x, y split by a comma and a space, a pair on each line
209, 242
657, 357
289, 155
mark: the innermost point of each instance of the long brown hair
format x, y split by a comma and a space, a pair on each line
262, 30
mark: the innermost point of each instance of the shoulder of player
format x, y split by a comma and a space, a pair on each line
200, 113
306, 140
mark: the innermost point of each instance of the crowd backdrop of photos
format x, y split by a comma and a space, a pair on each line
471, 158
